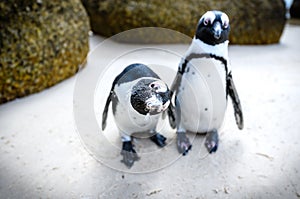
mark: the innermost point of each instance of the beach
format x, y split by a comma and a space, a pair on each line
49, 147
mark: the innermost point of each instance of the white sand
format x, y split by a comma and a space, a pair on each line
42, 154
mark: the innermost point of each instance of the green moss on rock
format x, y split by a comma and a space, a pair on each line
252, 22
42, 42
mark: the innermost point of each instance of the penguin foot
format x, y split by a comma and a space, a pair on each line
129, 154
158, 139
212, 141
183, 143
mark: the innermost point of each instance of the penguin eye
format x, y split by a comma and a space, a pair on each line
154, 86
206, 21
225, 24
225, 20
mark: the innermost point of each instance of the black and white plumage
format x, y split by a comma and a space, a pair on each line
203, 83
138, 97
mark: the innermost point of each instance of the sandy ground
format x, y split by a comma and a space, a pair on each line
49, 149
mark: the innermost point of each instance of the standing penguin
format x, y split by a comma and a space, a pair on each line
138, 97
203, 83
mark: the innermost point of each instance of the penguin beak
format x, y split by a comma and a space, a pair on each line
160, 97
154, 105
217, 30
157, 106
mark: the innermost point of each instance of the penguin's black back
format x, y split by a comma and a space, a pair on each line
133, 72
129, 74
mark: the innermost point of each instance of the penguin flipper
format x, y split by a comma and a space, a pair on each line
231, 90
105, 111
171, 114
172, 107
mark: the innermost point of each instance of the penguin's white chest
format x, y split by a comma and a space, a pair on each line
202, 95
127, 119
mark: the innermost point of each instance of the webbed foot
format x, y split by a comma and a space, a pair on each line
159, 139
129, 154
183, 143
212, 141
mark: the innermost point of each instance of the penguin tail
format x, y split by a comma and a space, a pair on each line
105, 111
104, 121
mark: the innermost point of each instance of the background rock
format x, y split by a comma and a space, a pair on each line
41, 43
252, 22
295, 9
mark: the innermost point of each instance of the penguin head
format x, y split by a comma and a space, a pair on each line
213, 28
150, 96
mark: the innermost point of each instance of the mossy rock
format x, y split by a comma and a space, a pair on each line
252, 22
41, 43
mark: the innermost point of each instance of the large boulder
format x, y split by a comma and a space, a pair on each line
295, 9
252, 22
42, 42
256, 21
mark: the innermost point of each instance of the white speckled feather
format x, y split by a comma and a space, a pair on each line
202, 92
